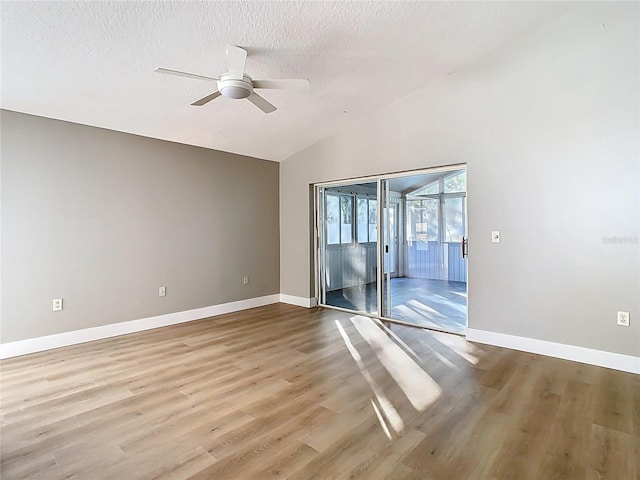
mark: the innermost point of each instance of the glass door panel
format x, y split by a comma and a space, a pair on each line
347, 246
391, 224
430, 287
455, 226
453, 219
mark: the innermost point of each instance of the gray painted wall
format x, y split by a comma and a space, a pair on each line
549, 129
102, 219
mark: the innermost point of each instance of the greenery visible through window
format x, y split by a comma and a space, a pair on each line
339, 216
456, 183
422, 220
346, 219
367, 215
435, 212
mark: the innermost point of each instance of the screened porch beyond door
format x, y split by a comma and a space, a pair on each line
438, 304
419, 276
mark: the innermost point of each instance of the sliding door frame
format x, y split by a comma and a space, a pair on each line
319, 234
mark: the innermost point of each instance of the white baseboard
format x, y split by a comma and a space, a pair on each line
616, 361
32, 345
298, 301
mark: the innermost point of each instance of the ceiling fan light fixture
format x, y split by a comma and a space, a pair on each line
235, 92
233, 88
238, 85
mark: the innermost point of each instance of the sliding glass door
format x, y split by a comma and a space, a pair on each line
395, 247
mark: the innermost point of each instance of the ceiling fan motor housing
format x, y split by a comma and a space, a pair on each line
234, 88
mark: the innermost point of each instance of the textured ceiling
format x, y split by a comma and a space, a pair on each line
93, 62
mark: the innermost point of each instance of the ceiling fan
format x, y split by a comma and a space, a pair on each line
237, 84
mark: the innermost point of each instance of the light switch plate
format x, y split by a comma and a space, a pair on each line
495, 236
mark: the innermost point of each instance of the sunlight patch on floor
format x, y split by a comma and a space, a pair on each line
423, 319
419, 388
459, 346
398, 340
383, 424
424, 309
387, 407
406, 312
445, 360
439, 299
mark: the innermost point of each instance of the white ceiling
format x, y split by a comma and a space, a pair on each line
93, 62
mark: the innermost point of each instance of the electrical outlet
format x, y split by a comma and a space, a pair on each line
623, 319
245, 280
57, 304
162, 291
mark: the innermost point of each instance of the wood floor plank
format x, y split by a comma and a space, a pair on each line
387, 462
273, 451
286, 392
612, 455
614, 407
524, 449
570, 438
185, 468
350, 449
435, 451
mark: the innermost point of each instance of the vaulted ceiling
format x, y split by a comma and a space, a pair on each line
93, 62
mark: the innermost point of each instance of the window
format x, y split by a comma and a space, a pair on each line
456, 183
367, 214
373, 220
333, 219
432, 188
339, 213
453, 220
436, 212
422, 220
346, 219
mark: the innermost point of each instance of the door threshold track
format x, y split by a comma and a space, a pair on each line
391, 320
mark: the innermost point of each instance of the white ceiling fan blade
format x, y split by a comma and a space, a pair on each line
298, 84
207, 99
237, 58
261, 103
169, 71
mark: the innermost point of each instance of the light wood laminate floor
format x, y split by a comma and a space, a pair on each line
287, 392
